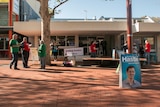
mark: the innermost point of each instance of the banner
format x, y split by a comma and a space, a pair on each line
73, 52
130, 73
33, 54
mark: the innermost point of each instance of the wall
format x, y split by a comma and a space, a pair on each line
27, 12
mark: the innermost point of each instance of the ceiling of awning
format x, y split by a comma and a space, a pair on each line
71, 28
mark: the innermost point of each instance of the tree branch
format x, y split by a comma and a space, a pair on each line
53, 11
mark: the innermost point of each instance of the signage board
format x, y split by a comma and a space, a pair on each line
130, 73
33, 54
73, 51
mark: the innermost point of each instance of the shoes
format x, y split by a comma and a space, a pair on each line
27, 67
16, 69
41, 68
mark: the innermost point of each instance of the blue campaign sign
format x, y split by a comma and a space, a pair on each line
130, 74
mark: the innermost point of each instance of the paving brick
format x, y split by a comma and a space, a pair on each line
87, 86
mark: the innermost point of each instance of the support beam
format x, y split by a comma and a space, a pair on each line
129, 25
10, 23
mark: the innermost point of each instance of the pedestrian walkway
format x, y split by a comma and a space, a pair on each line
59, 86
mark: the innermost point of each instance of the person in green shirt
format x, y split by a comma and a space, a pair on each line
14, 49
42, 54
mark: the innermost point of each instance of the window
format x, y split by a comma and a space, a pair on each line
137, 41
1, 43
66, 40
61, 40
4, 43
141, 40
85, 42
53, 39
82, 41
151, 40
70, 41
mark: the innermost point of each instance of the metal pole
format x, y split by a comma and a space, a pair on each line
10, 3
129, 25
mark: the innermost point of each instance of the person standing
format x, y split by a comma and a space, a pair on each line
25, 49
55, 51
104, 46
135, 48
93, 49
125, 47
42, 54
147, 51
141, 51
14, 48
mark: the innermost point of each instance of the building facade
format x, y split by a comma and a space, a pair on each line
73, 33
25, 13
79, 33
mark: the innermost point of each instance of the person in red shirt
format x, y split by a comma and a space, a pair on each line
93, 49
25, 52
147, 51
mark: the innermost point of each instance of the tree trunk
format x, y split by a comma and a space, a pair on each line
45, 35
45, 24
45, 28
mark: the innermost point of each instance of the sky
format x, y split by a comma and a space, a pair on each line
107, 8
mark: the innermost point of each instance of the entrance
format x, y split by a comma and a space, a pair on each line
105, 44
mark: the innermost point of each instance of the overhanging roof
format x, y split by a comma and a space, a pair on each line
33, 28
147, 27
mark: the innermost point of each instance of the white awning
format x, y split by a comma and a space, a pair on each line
32, 28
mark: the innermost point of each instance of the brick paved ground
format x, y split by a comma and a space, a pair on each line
74, 87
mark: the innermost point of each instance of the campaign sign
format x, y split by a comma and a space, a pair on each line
130, 73
33, 54
73, 51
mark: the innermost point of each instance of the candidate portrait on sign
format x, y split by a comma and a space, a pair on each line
130, 82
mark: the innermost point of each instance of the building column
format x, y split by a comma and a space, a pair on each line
10, 23
129, 25
158, 48
76, 40
36, 42
118, 42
